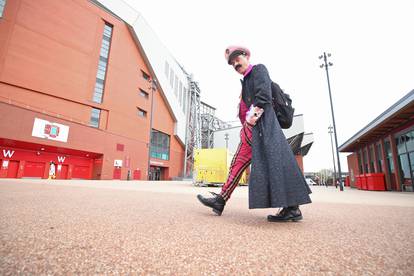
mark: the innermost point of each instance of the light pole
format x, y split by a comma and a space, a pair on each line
333, 154
153, 89
226, 137
326, 64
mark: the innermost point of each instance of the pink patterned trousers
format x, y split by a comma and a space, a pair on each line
240, 162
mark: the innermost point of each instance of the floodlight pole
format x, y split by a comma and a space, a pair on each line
153, 89
326, 65
333, 154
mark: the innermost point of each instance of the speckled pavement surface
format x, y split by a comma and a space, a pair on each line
109, 227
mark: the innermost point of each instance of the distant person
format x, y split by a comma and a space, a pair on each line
276, 180
52, 171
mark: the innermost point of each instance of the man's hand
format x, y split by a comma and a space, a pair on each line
254, 114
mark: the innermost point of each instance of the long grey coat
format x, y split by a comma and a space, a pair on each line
276, 179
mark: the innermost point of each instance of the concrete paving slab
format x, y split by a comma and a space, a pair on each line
159, 228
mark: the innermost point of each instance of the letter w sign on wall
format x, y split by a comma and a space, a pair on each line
8, 153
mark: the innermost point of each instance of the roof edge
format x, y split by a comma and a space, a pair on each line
400, 104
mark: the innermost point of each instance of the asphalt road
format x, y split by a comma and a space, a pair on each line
159, 228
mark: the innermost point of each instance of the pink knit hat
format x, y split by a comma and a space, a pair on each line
234, 51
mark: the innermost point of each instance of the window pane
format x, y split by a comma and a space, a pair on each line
411, 156
404, 167
167, 69
172, 78
379, 152
95, 116
388, 152
104, 53
410, 141
379, 156
97, 97
176, 86
160, 147
102, 64
371, 158
145, 75
185, 99
141, 112
400, 141
2, 4
143, 93
100, 75
380, 166
181, 94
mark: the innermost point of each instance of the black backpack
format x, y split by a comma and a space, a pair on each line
282, 105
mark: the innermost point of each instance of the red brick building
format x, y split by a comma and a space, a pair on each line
77, 91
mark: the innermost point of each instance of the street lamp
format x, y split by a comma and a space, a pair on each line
153, 89
333, 154
326, 64
226, 137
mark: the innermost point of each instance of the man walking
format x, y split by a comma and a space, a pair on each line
276, 180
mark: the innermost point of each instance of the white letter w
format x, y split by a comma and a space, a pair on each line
61, 159
8, 153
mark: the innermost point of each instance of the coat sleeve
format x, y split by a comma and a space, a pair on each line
262, 86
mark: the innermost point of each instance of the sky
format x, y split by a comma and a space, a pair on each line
371, 45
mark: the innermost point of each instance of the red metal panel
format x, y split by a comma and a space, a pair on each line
34, 169
364, 182
63, 173
347, 182
376, 182
137, 174
117, 173
358, 183
13, 169
3, 171
21, 169
81, 172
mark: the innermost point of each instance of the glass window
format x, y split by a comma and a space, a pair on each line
410, 141
405, 169
160, 145
365, 158
95, 117
360, 165
97, 98
143, 93
379, 156
2, 5
145, 76
141, 112
181, 93
185, 99
388, 154
411, 157
171, 77
176, 86
167, 69
102, 64
400, 142
371, 159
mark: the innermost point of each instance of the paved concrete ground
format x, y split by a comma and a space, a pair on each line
109, 227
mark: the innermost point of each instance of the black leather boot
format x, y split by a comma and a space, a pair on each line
216, 202
291, 213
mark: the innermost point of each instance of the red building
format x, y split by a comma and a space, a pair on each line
77, 91
383, 152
